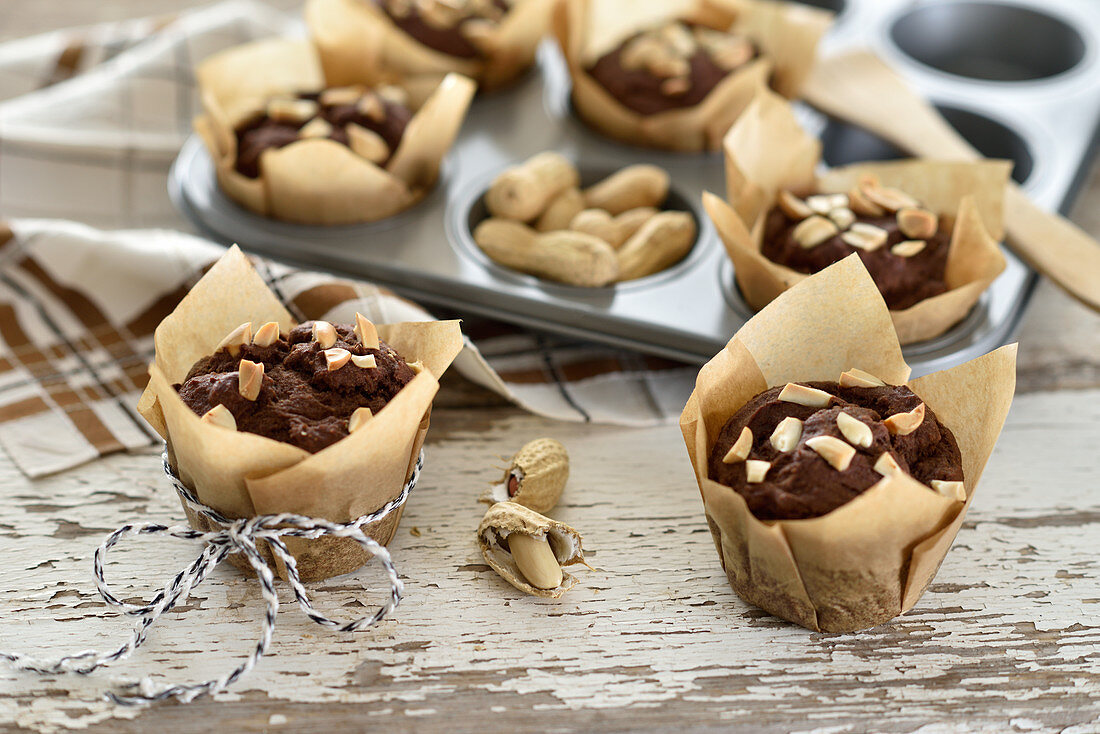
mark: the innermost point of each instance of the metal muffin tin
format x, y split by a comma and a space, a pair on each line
1032, 95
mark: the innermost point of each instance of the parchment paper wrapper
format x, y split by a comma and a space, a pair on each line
872, 558
359, 44
786, 34
767, 150
243, 474
319, 181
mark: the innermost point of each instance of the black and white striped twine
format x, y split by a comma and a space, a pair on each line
234, 536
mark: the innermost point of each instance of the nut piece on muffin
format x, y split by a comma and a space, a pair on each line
309, 387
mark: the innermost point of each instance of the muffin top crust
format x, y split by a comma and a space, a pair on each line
452, 27
671, 66
802, 450
903, 245
370, 122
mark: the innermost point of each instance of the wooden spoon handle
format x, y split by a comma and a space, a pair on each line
860, 89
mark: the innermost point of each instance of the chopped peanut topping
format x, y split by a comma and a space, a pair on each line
318, 127
908, 248
887, 465
856, 431
740, 449
324, 334
235, 339
358, 419
366, 331
858, 378
917, 224
756, 470
250, 377
792, 206
336, 358
833, 450
365, 361
219, 415
902, 424
811, 397
266, 335
950, 489
813, 230
786, 434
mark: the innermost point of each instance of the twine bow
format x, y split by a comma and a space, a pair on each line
235, 536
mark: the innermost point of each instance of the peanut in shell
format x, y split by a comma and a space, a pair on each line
535, 476
505, 520
640, 185
523, 192
561, 210
564, 256
664, 240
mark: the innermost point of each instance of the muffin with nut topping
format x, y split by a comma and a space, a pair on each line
832, 482
309, 387
288, 145
926, 230
806, 448
903, 245
676, 75
417, 42
671, 66
264, 415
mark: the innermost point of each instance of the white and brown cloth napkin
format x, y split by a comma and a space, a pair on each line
90, 120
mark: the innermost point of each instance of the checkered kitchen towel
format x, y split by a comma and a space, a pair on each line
90, 120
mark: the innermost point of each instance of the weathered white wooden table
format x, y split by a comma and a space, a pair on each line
1006, 639
1007, 636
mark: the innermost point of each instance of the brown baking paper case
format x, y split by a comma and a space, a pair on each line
787, 35
767, 151
360, 44
319, 181
872, 558
243, 474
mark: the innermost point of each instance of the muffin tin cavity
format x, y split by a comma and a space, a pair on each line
837, 6
843, 144
468, 215
989, 41
992, 139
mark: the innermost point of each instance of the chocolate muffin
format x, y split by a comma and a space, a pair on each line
673, 66
370, 122
902, 245
451, 26
804, 449
310, 387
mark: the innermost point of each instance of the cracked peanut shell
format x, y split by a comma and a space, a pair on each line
506, 519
